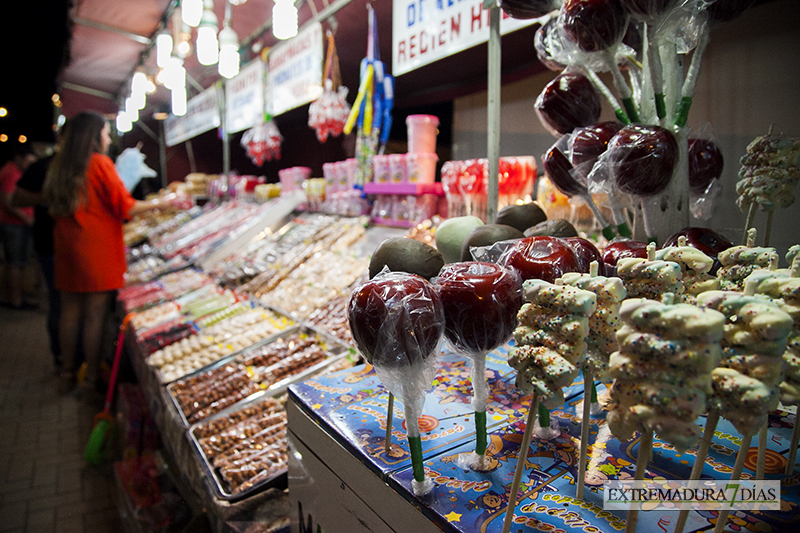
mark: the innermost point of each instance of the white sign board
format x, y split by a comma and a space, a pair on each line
202, 114
244, 98
424, 31
294, 76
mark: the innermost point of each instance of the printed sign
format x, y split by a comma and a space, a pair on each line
424, 31
295, 71
202, 114
244, 98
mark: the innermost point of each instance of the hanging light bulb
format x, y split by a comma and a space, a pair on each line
150, 88
123, 122
207, 45
284, 19
163, 48
228, 52
138, 99
174, 74
131, 110
179, 101
184, 45
139, 81
191, 12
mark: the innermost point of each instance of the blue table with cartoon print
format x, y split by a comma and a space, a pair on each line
350, 408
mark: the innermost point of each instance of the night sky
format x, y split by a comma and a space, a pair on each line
33, 48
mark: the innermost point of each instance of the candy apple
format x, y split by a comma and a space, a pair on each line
586, 252
558, 170
397, 319
543, 43
594, 25
641, 158
480, 302
706, 240
527, 9
568, 102
546, 258
705, 164
617, 250
589, 142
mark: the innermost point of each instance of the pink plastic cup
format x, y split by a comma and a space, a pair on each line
397, 166
382, 169
350, 167
329, 172
421, 167
422, 131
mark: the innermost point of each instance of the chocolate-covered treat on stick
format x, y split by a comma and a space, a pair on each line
397, 321
480, 301
650, 278
738, 262
695, 267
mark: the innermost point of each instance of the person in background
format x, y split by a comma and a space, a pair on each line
88, 203
29, 194
15, 225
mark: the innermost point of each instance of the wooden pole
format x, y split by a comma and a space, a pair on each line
642, 458
588, 380
522, 456
736, 474
699, 462
389, 420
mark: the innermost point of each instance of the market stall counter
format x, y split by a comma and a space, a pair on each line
342, 479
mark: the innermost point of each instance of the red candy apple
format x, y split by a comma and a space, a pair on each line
527, 9
588, 143
586, 252
641, 158
397, 319
706, 240
617, 250
568, 102
558, 170
705, 164
594, 25
543, 43
480, 302
546, 258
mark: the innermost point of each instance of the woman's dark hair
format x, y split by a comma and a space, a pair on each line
65, 187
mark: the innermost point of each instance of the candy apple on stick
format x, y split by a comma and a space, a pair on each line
397, 321
568, 102
559, 171
480, 303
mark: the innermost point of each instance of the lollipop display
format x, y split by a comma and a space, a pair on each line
752, 368
551, 341
649, 278
397, 321
770, 172
480, 303
695, 267
662, 374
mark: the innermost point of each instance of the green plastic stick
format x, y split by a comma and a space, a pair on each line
608, 232
544, 416
594, 392
480, 428
624, 230
683, 111
415, 444
630, 108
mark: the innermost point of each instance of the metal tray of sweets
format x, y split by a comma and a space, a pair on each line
221, 487
335, 349
227, 357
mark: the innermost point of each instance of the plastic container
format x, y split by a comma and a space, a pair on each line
349, 175
382, 169
300, 175
422, 131
421, 167
397, 168
287, 180
330, 173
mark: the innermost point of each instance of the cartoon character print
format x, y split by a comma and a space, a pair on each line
346, 399
489, 503
453, 384
494, 454
357, 377
373, 445
738, 521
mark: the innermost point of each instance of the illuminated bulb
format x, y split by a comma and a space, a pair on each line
184, 48
3, 111
124, 122
23, 139
228, 53
131, 110
139, 82
284, 19
175, 74
150, 88
163, 48
179, 101
192, 12
207, 45
138, 99
3, 138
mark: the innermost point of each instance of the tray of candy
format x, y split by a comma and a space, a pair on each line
243, 449
262, 370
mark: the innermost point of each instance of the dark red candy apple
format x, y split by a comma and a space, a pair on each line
568, 102
646, 10
594, 25
619, 249
397, 319
641, 158
705, 164
558, 170
726, 10
543, 43
527, 9
588, 143
586, 252
546, 258
706, 240
480, 302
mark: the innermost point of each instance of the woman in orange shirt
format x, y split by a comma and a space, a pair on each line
89, 203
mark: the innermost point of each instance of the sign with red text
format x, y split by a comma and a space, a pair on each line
202, 114
424, 31
294, 75
244, 98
